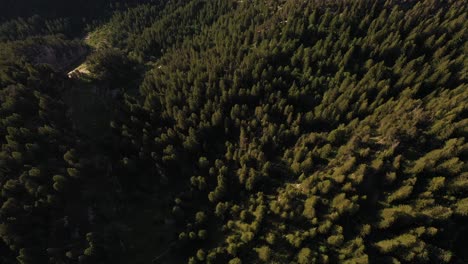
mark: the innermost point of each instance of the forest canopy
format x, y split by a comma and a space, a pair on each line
214, 131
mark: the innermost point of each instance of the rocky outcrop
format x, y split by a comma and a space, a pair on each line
61, 60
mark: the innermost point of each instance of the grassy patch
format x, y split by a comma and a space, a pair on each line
99, 38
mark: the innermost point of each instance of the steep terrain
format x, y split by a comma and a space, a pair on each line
210, 131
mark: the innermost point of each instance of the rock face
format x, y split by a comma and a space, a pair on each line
60, 61
78, 71
58, 52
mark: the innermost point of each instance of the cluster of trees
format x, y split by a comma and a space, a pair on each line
279, 131
44, 194
310, 132
113, 67
49, 180
149, 30
21, 28
52, 202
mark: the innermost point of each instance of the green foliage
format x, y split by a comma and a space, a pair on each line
305, 256
112, 66
265, 131
462, 207
309, 207
235, 261
201, 254
264, 253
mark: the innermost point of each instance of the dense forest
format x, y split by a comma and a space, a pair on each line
233, 132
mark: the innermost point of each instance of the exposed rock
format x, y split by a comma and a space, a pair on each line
61, 61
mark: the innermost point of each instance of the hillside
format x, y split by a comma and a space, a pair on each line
230, 132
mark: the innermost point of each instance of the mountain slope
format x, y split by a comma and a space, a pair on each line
284, 132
